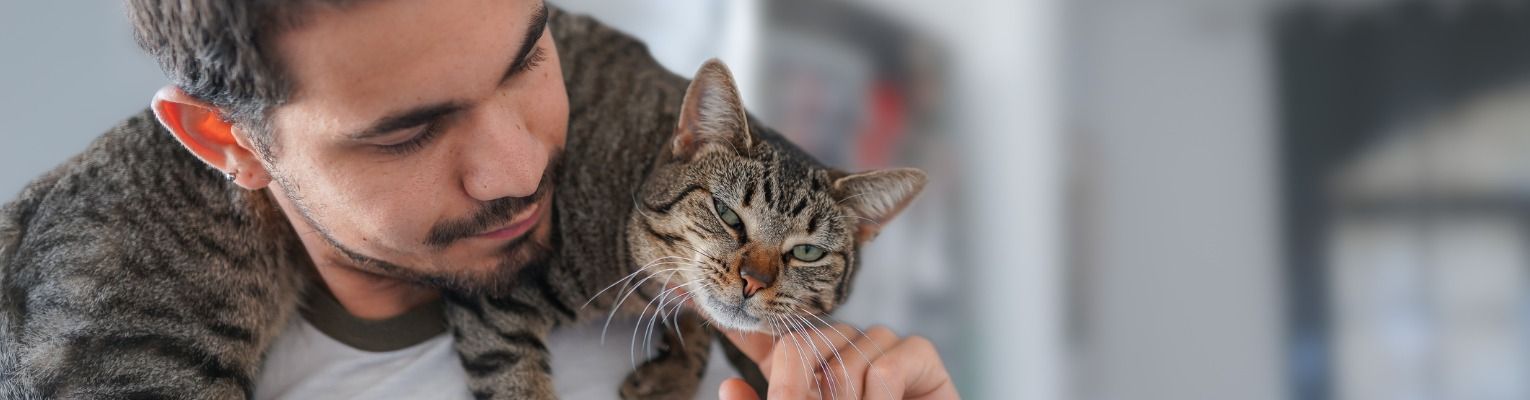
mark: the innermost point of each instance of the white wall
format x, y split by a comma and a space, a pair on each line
1006, 92
1179, 289
67, 73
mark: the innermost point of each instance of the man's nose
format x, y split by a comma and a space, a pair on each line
503, 160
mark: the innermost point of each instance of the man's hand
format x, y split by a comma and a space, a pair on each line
842, 362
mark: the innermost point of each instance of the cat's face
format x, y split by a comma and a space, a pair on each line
751, 231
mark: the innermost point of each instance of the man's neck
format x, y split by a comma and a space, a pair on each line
370, 296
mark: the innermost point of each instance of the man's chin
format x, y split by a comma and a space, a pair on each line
495, 279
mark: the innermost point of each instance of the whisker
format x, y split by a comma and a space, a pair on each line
837, 356
632, 347
679, 304
868, 220
628, 278
636, 205
675, 315
823, 365
659, 313
807, 372
881, 381
693, 248
623, 300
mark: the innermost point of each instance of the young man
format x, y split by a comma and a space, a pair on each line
408, 147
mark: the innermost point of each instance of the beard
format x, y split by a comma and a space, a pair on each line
514, 257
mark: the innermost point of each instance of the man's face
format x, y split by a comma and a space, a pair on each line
420, 137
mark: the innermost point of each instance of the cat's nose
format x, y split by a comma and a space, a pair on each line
758, 268
755, 280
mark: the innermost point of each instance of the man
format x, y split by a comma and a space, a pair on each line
407, 148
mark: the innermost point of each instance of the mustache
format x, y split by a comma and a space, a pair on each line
494, 213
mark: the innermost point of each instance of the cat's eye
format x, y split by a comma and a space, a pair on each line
728, 216
807, 252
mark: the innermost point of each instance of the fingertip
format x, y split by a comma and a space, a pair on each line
736, 389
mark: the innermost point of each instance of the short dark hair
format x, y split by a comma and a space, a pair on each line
220, 51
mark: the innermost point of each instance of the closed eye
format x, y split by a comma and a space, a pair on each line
415, 143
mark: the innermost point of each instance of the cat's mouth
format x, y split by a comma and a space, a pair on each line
735, 316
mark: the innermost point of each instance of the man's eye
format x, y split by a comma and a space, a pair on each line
727, 215
415, 143
533, 60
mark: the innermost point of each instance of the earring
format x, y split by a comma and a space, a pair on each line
231, 175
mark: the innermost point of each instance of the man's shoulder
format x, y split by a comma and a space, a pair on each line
135, 246
110, 168
101, 195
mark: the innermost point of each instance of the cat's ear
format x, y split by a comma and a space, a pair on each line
712, 115
876, 197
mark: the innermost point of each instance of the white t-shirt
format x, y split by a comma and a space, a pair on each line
306, 363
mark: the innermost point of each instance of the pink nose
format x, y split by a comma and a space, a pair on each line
752, 285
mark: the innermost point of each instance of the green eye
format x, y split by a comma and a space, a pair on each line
728, 216
807, 252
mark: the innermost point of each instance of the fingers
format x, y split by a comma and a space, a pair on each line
840, 362
912, 369
736, 389
819, 366
792, 376
858, 355
757, 346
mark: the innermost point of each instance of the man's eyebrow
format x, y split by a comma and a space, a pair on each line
533, 34
408, 118
424, 114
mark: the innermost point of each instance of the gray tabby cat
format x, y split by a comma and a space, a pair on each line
133, 271
730, 219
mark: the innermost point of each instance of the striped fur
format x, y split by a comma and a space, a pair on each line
700, 147
134, 271
127, 273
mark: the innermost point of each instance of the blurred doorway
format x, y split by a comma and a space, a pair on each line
1405, 135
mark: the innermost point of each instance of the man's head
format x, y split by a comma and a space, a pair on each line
407, 138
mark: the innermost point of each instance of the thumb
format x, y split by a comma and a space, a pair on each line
736, 389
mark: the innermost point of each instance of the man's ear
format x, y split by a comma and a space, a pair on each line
200, 127
875, 197
711, 115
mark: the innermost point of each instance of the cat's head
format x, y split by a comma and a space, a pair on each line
749, 227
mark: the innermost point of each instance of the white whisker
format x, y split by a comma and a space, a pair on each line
880, 380
837, 356
634, 274
868, 220
659, 313
623, 300
802, 357
632, 347
823, 365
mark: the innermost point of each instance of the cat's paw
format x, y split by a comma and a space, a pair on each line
663, 378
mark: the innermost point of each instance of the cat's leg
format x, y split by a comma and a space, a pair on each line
675, 373
501, 341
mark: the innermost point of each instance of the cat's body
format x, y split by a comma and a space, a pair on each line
135, 271
618, 119
727, 220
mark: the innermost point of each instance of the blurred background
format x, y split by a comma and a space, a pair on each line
1168, 199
